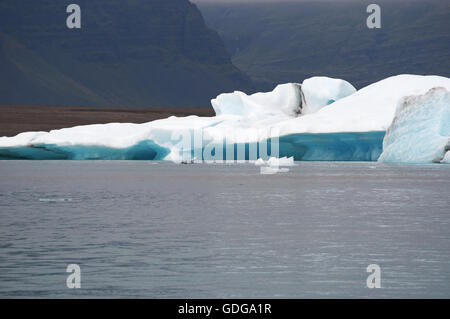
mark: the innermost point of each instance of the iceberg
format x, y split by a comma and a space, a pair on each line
371, 109
284, 100
290, 99
283, 161
260, 162
420, 131
272, 170
320, 91
446, 158
321, 119
274, 165
276, 162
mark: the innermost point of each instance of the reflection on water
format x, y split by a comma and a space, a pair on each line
205, 231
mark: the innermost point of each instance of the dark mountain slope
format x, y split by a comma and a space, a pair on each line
287, 42
127, 53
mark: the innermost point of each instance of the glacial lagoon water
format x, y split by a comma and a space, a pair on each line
160, 230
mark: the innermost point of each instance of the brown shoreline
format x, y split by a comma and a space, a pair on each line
15, 119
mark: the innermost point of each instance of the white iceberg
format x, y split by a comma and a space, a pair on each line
420, 131
274, 165
283, 161
276, 162
446, 159
289, 100
285, 100
271, 170
320, 91
260, 162
351, 129
370, 109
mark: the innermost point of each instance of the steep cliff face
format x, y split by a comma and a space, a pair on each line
127, 53
280, 42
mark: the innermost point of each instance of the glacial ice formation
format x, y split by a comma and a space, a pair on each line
446, 158
284, 100
300, 118
319, 91
420, 131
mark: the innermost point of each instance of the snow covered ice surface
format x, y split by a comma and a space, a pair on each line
446, 159
320, 119
420, 131
320, 91
285, 100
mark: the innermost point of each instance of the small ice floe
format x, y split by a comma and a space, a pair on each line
446, 159
284, 161
260, 162
274, 161
273, 165
269, 170
55, 200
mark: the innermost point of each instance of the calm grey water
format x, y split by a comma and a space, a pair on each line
160, 230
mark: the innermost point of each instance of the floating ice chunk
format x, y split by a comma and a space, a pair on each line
55, 200
319, 91
284, 161
273, 165
260, 162
285, 100
276, 162
420, 131
270, 170
446, 159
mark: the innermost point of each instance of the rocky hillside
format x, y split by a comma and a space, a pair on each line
288, 42
127, 53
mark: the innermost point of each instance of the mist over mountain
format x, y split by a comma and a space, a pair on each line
288, 42
127, 53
